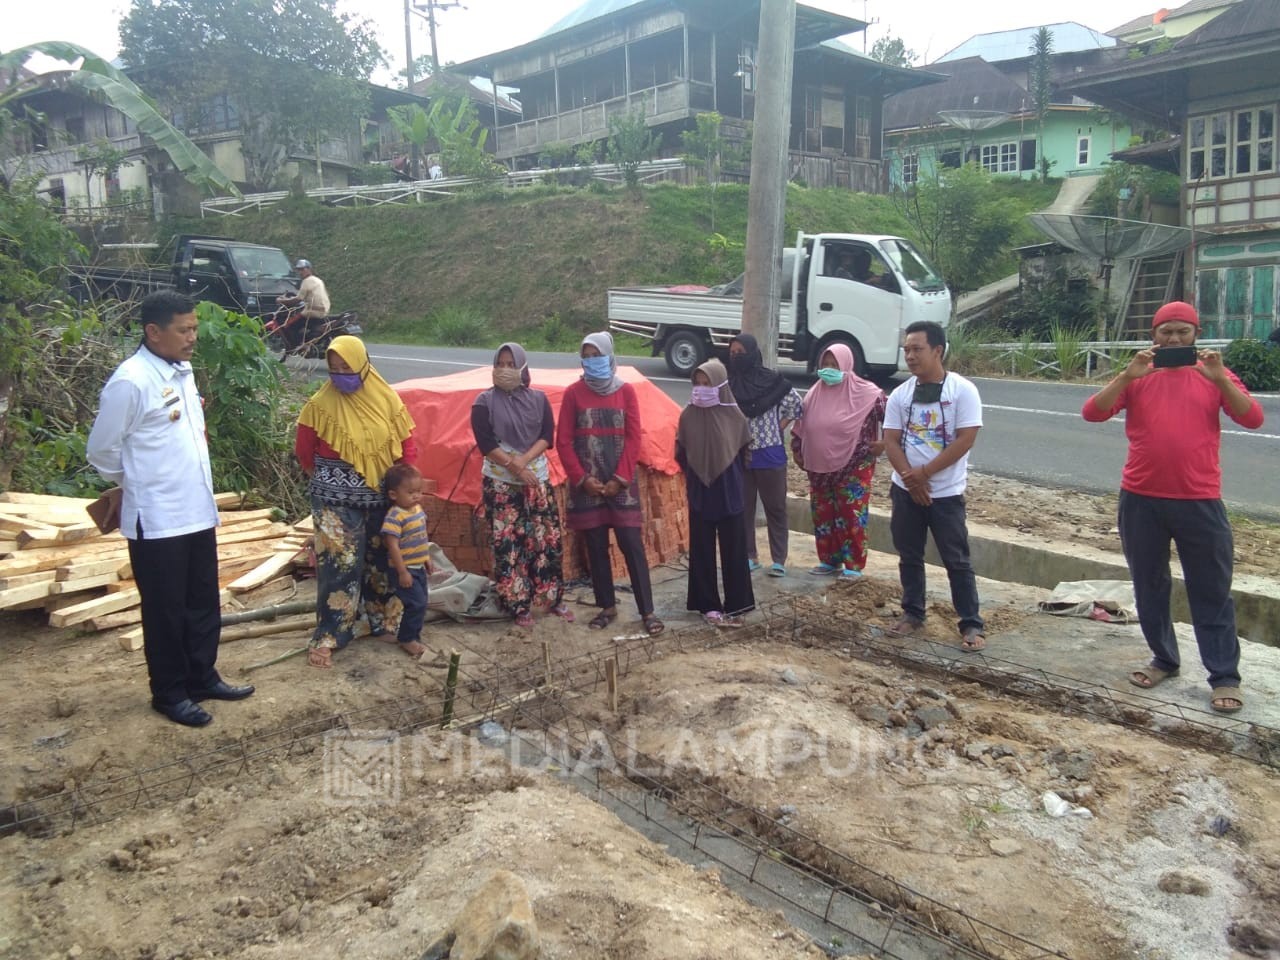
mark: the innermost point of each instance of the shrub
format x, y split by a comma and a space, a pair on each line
1255, 362
455, 326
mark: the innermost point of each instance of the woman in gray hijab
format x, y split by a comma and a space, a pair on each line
514, 428
598, 440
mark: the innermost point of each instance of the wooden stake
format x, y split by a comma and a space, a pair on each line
269, 613
611, 677
450, 687
546, 660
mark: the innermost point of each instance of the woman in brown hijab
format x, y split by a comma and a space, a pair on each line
710, 445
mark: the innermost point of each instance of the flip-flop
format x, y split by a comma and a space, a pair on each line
1153, 674
562, 611
777, 570
1226, 693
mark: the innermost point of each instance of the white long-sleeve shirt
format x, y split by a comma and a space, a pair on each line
149, 438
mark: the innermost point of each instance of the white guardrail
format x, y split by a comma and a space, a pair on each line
418, 191
1100, 356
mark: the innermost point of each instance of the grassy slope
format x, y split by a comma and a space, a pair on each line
517, 258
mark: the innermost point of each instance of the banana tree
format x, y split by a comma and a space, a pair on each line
103, 82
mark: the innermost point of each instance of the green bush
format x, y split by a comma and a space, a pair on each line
249, 410
457, 326
1255, 362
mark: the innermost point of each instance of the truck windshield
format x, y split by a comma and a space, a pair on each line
260, 263
914, 268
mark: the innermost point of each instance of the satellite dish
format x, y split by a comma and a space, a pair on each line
972, 120
1111, 239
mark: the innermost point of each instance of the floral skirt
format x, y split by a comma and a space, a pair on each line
527, 551
352, 572
839, 503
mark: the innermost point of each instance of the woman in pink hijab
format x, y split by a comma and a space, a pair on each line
836, 442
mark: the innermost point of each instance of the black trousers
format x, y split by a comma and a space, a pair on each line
703, 595
181, 616
1203, 534
631, 543
414, 600
945, 518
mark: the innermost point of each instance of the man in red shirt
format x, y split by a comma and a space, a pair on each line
1171, 489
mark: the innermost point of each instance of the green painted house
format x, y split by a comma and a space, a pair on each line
983, 112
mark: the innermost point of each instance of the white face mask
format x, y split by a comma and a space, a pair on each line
706, 396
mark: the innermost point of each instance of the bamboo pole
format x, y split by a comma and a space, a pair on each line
269, 613
249, 668
450, 687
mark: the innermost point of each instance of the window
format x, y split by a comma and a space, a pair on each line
862, 132
910, 167
75, 129
1082, 152
1207, 146
999, 157
1255, 141
747, 67
833, 119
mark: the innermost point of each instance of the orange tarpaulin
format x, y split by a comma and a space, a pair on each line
447, 454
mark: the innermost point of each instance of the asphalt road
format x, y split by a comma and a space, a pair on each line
1033, 430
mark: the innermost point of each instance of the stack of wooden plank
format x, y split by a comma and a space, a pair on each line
53, 558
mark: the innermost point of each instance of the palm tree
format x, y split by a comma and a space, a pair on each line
103, 82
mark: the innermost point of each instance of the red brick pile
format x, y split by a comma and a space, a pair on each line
463, 532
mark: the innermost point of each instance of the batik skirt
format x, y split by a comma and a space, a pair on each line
527, 552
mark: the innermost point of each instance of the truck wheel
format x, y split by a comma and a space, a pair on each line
685, 352
859, 361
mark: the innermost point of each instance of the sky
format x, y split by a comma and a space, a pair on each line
929, 27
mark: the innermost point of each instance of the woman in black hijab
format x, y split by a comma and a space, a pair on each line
770, 404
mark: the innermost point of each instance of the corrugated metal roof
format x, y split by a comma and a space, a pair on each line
973, 84
1196, 6
1245, 20
1068, 37
587, 12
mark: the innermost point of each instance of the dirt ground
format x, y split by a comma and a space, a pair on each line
251, 848
1050, 514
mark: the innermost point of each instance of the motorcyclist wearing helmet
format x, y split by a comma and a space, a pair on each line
311, 293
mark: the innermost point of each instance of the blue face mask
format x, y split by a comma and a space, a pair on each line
706, 396
346, 382
597, 368
831, 376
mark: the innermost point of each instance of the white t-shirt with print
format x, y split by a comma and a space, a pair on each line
933, 426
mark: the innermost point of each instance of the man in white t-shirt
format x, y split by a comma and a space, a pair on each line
930, 425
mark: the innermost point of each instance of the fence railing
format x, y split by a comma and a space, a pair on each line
420, 191
1099, 357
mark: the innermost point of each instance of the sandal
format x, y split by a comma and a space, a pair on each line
562, 611
906, 625
848, 573
974, 640
1228, 697
753, 566
777, 570
524, 619
320, 657
1150, 676
823, 570
602, 619
652, 624
718, 618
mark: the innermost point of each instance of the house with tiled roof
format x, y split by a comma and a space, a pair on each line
1170, 24
984, 112
1218, 90
670, 60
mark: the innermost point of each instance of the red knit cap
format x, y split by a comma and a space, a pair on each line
1176, 310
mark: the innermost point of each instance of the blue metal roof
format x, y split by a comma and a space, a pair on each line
1068, 37
587, 12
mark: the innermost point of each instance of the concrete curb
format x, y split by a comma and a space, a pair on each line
1000, 555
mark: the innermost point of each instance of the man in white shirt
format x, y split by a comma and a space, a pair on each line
930, 425
149, 439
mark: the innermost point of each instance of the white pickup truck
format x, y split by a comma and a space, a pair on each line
858, 289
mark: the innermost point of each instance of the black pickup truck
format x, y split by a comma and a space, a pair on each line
245, 277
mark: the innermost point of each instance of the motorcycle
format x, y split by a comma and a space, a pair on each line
288, 331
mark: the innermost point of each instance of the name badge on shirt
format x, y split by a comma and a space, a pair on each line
172, 400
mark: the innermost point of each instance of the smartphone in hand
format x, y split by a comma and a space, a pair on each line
1174, 357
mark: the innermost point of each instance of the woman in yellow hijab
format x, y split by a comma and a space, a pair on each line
349, 434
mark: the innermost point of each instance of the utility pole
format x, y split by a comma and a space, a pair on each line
432, 6
408, 77
767, 196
